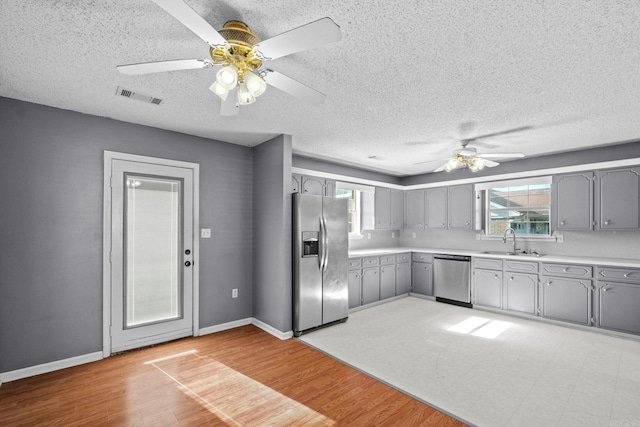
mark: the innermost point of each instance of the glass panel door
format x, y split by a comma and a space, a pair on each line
153, 285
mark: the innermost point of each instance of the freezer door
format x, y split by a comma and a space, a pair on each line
307, 287
335, 290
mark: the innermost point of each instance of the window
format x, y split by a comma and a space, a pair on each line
361, 200
352, 206
523, 205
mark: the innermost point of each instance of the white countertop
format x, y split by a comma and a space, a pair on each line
611, 262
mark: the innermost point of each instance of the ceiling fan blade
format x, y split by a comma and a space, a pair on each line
490, 163
502, 156
190, 19
308, 36
229, 107
504, 132
160, 66
441, 168
292, 87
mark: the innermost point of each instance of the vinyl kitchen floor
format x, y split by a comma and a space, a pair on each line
490, 369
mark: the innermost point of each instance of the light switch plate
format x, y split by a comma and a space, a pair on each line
205, 233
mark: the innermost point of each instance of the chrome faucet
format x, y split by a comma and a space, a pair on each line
504, 238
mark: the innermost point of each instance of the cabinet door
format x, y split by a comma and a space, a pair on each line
397, 209
387, 281
403, 278
566, 299
460, 212
435, 200
618, 306
355, 297
617, 197
520, 292
487, 288
415, 209
383, 208
296, 183
573, 201
313, 185
422, 280
330, 188
370, 285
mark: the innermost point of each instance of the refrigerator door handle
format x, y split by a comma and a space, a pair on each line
325, 244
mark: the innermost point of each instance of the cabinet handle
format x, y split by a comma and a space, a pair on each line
511, 278
548, 282
562, 222
495, 276
607, 222
566, 269
605, 288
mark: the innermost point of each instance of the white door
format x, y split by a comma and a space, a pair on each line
152, 254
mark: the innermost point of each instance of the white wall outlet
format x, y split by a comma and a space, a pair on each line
413, 235
559, 238
368, 235
234, 293
205, 233
393, 235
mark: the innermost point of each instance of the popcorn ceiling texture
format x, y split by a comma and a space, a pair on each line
399, 84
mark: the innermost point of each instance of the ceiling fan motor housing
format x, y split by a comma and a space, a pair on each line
239, 50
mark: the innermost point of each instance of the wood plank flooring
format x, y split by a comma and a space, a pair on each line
240, 377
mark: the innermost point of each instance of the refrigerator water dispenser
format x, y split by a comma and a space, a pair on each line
310, 245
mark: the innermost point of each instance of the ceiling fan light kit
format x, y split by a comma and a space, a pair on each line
240, 53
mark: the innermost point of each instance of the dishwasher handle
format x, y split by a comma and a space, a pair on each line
453, 257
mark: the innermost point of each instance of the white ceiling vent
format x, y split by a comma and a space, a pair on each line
137, 96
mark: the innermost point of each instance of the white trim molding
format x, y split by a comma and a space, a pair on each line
225, 326
45, 368
271, 330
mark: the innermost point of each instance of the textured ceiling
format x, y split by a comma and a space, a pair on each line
400, 84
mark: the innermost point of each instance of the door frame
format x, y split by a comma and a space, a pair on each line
109, 156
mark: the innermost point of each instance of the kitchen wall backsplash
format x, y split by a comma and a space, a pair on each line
607, 244
376, 239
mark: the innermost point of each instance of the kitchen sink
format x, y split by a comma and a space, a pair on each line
512, 253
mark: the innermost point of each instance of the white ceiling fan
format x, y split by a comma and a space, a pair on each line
241, 54
469, 156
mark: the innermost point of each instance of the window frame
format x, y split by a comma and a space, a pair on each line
358, 204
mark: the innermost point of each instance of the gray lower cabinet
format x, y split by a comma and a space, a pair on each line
487, 288
422, 278
387, 281
520, 291
618, 294
566, 299
566, 292
355, 288
370, 285
403, 278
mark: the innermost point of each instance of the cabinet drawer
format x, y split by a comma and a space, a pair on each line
525, 266
403, 257
621, 274
387, 259
354, 263
366, 262
420, 257
487, 263
568, 270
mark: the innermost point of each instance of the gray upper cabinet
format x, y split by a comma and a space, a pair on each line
296, 183
313, 185
617, 199
415, 209
383, 208
389, 209
460, 212
573, 201
397, 209
435, 200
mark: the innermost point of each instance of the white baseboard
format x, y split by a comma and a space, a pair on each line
271, 330
31, 371
225, 326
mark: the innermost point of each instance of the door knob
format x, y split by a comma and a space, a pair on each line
187, 264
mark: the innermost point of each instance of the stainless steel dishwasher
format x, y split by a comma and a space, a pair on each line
452, 279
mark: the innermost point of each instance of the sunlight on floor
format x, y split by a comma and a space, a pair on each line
231, 396
481, 327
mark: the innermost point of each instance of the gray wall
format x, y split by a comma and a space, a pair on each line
51, 173
272, 233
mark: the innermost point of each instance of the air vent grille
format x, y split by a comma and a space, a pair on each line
138, 96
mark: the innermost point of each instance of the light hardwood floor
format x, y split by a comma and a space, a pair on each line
240, 377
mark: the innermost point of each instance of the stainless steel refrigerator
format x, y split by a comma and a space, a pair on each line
320, 251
